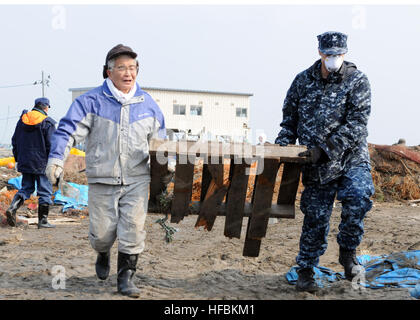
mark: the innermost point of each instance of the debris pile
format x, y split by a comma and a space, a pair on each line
395, 172
6, 197
74, 169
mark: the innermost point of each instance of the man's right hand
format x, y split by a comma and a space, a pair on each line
315, 155
54, 173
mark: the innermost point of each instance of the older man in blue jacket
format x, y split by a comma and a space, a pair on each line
327, 109
117, 119
31, 144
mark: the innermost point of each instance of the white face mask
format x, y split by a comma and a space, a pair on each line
333, 63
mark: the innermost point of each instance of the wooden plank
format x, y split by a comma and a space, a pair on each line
227, 150
205, 181
214, 197
288, 187
263, 199
276, 210
251, 246
32, 221
235, 202
258, 221
231, 171
157, 186
184, 173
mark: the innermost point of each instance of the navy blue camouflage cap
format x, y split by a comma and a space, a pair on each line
332, 42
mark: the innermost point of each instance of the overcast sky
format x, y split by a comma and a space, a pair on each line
255, 49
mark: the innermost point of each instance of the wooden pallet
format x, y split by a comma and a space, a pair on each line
226, 196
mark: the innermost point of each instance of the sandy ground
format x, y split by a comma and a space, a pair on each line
197, 264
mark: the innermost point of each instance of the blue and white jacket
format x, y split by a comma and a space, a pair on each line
117, 135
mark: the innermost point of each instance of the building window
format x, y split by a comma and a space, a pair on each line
196, 110
241, 112
179, 109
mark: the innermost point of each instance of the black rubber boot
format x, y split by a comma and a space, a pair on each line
103, 265
43, 216
348, 260
11, 211
126, 269
306, 281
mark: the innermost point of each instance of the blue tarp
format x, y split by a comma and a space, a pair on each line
16, 182
322, 276
78, 202
398, 270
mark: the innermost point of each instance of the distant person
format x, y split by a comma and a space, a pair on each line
118, 120
31, 144
327, 108
262, 138
401, 142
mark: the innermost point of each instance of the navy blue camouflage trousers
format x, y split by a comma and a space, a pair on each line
354, 190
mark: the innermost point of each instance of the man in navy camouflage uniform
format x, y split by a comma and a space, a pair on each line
327, 109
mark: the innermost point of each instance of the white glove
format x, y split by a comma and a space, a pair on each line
54, 173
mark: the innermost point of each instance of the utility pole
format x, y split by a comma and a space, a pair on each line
42, 84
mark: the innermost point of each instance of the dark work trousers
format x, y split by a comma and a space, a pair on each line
43, 186
354, 190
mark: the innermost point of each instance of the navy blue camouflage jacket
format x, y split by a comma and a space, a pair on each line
330, 113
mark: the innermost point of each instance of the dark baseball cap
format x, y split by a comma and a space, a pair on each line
116, 51
332, 42
43, 102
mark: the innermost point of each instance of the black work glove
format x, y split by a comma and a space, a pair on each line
315, 155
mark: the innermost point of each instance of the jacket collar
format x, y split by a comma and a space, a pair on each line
39, 110
333, 77
138, 96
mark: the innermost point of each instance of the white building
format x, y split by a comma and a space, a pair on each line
211, 115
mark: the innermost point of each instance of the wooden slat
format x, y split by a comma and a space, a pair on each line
258, 221
251, 246
289, 186
214, 197
205, 181
231, 170
235, 201
184, 173
157, 172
